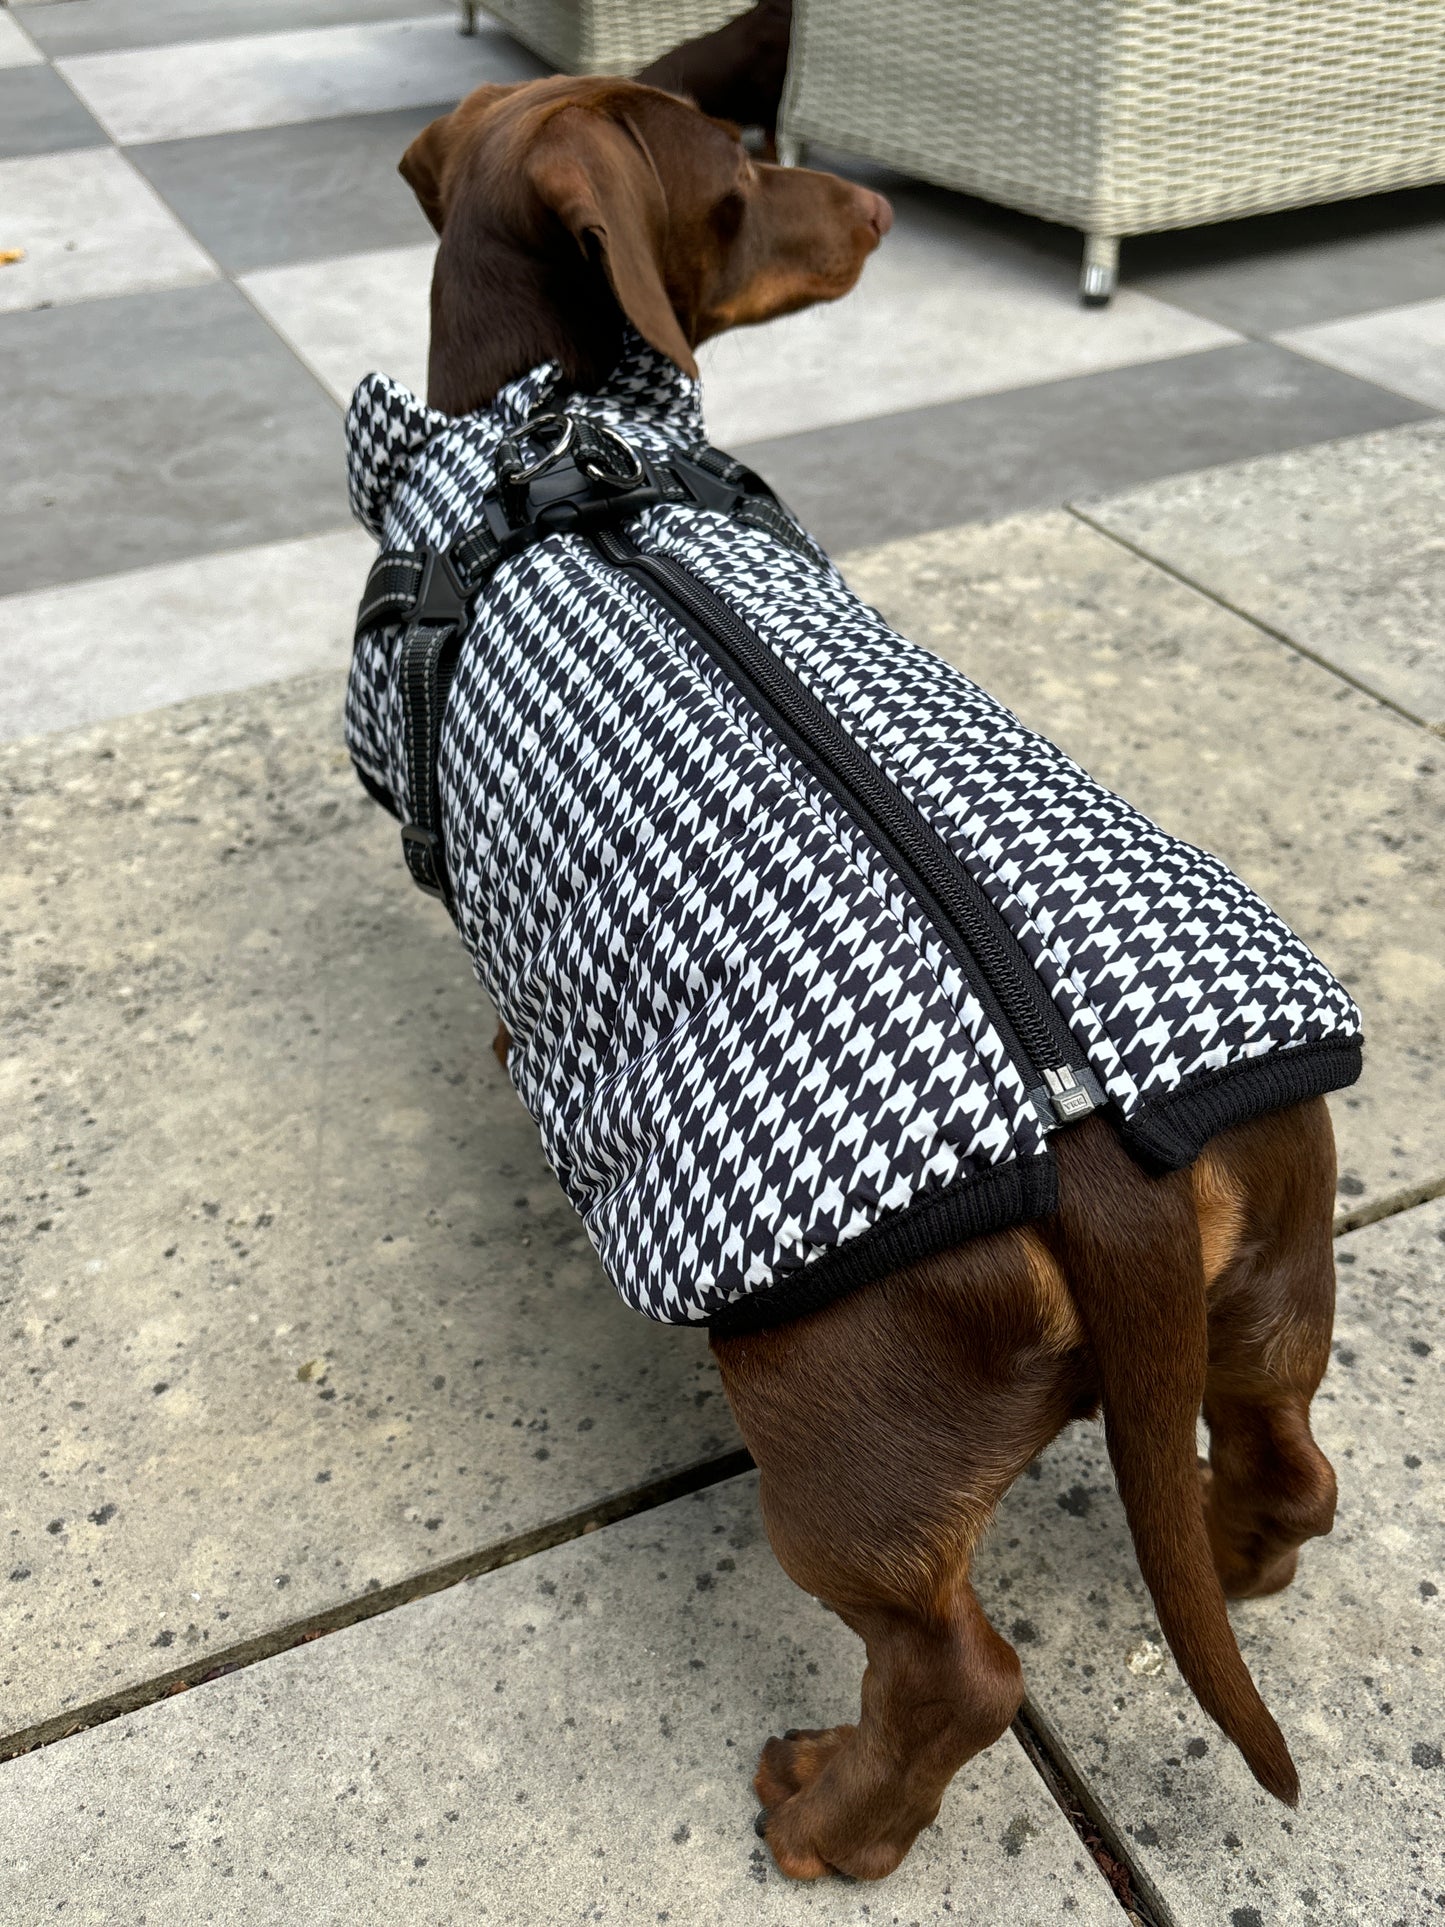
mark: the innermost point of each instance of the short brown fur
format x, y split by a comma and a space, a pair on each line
887, 1426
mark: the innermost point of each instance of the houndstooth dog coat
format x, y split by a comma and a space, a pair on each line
806, 945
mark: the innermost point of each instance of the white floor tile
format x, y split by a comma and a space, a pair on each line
90, 226
943, 311
1400, 348
17, 49
267, 80
346, 317
935, 317
122, 643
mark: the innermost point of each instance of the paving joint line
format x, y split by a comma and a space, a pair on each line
1255, 621
1139, 1899
1392, 1205
627, 1504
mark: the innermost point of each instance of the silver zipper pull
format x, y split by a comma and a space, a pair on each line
1067, 1096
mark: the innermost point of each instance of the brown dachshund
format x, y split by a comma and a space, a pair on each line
887, 1426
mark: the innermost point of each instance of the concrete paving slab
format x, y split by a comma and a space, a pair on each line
181, 629
293, 1309
570, 1740
1401, 348
267, 79
346, 317
1036, 447
1341, 547
90, 226
1350, 1658
1328, 803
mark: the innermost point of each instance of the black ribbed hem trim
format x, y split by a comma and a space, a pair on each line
1170, 1132
1003, 1194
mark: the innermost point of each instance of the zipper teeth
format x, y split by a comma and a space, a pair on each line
951, 897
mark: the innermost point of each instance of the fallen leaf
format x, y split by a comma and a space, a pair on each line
9, 256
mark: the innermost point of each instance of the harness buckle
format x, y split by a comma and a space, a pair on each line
442, 598
422, 851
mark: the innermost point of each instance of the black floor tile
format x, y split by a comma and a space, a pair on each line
1302, 267
40, 115
152, 427
278, 195
929, 468
96, 26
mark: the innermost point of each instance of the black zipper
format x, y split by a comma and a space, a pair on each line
1054, 1069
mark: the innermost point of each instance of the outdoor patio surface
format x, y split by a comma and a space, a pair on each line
317, 1404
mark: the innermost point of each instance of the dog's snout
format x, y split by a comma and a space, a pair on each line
880, 214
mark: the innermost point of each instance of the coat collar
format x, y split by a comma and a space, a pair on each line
387, 427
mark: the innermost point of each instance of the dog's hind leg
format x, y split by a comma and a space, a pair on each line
1265, 1193
886, 1427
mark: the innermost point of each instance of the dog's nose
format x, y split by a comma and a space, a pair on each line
880, 214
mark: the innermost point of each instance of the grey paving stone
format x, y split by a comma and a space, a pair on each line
155, 426
1338, 547
344, 318
40, 115
277, 195
180, 629
570, 1740
16, 47
1300, 267
293, 1308
1401, 348
930, 468
1349, 1658
94, 26
1330, 804
948, 307
90, 227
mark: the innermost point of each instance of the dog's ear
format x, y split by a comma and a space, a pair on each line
422, 165
598, 178
431, 164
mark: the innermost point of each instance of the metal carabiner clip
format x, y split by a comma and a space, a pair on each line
533, 428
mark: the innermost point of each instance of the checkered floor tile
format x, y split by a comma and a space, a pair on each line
216, 244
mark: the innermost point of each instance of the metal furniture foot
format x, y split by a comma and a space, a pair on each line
469, 17
1101, 270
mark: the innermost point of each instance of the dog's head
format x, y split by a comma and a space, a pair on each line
565, 206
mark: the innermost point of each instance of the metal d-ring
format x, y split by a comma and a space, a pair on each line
533, 429
620, 442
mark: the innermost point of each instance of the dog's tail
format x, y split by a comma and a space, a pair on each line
1136, 1271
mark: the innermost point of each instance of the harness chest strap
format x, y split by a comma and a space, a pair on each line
588, 478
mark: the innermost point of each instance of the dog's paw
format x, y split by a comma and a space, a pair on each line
805, 1818
791, 1764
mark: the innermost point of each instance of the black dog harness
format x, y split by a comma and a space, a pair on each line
586, 478
807, 947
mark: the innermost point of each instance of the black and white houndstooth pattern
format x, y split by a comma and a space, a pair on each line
742, 1041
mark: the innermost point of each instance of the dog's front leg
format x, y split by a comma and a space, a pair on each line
886, 1428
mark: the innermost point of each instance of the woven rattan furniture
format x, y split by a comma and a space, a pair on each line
1122, 116
603, 36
